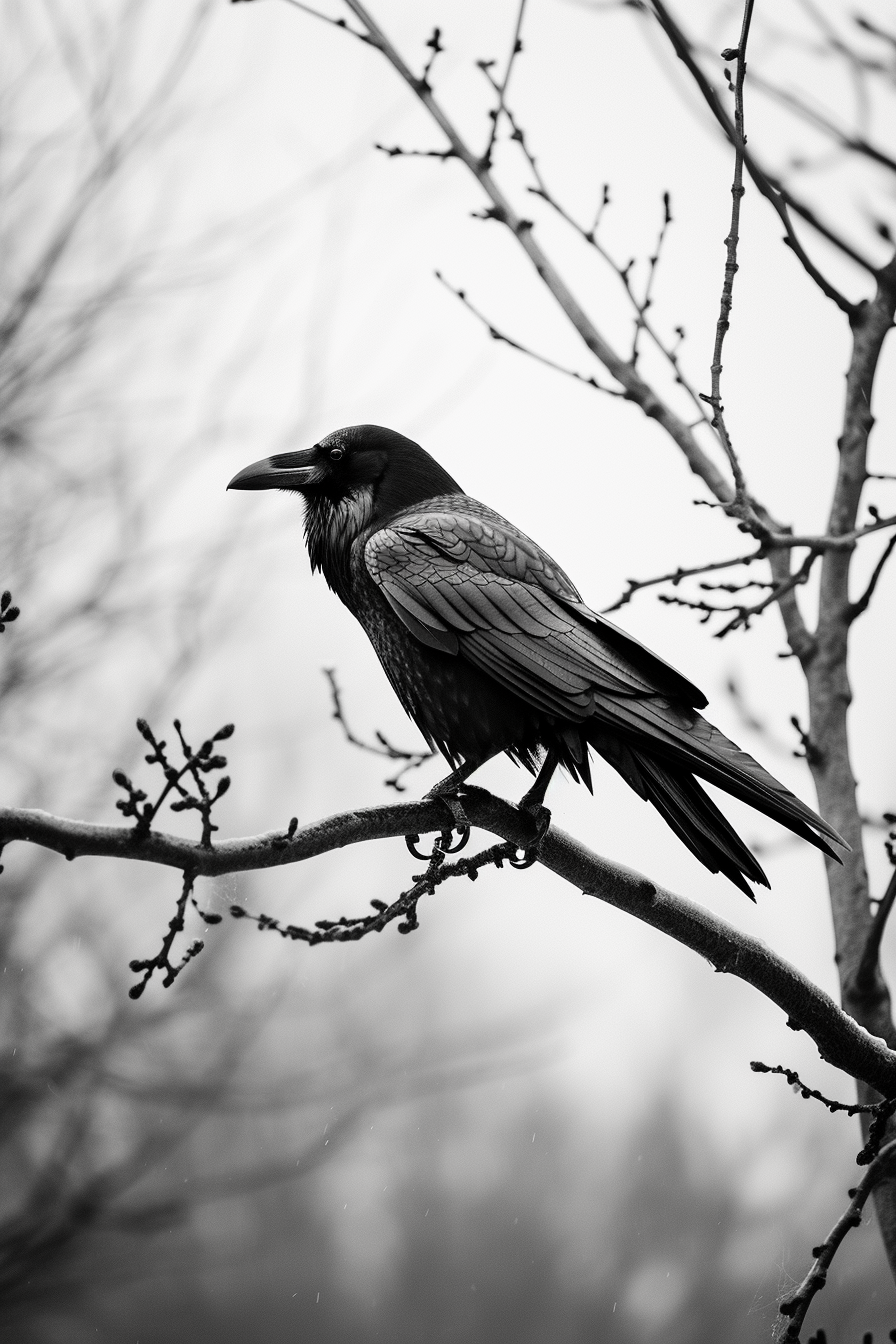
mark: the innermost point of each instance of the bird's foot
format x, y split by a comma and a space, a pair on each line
541, 819
448, 791
444, 844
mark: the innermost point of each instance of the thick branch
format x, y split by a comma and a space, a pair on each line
839, 1039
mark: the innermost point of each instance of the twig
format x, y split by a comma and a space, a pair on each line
325, 18
880, 1111
796, 1305
196, 764
500, 209
867, 970
497, 335
839, 1038
348, 929
810, 751
495, 114
676, 576
828, 541
435, 46
622, 273
861, 604
399, 152
162, 959
744, 614
782, 201
652, 266
382, 747
741, 506
796, 1082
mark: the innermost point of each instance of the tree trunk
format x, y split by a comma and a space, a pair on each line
866, 996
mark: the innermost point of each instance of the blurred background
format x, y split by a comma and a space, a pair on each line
533, 1119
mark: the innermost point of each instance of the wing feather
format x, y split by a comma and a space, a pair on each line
466, 582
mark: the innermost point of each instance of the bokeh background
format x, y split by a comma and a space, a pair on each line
533, 1119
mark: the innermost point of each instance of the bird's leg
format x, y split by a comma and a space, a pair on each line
535, 797
533, 803
451, 783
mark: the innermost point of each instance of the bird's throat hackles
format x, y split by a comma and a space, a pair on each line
331, 525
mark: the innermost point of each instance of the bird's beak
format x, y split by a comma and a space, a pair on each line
286, 471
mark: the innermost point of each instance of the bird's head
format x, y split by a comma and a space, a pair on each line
382, 471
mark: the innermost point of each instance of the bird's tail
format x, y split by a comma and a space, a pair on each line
665, 778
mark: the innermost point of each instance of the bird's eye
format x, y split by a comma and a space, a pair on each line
336, 454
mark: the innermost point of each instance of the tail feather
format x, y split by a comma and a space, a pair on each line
696, 820
686, 742
666, 779
724, 764
687, 810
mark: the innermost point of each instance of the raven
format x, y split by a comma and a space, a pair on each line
490, 648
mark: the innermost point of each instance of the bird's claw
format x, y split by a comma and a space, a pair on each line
442, 845
411, 842
463, 835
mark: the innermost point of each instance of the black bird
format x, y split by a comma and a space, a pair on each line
490, 648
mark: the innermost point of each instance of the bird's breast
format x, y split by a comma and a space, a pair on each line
458, 708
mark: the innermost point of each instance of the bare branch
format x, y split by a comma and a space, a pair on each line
325, 18
435, 46
652, 267
827, 541
782, 201
497, 335
382, 747
796, 1305
622, 273
162, 959
348, 929
742, 506
861, 604
796, 1082
839, 1039
495, 114
744, 614
867, 970
676, 576
500, 209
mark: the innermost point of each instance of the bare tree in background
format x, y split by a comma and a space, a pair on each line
854, 268
97, 1099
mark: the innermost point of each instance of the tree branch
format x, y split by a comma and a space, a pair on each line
866, 972
497, 335
795, 1307
742, 506
839, 1039
500, 209
495, 114
675, 578
781, 200
861, 604
412, 760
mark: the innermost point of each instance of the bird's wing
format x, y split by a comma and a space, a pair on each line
474, 587
469, 583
